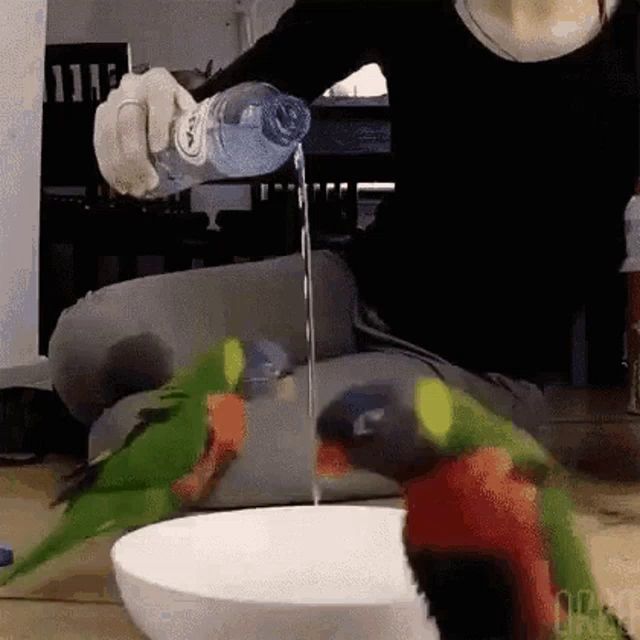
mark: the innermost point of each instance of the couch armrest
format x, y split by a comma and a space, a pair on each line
130, 337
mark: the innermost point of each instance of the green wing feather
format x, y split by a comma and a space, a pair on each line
132, 487
458, 423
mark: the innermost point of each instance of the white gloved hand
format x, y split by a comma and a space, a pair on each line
135, 120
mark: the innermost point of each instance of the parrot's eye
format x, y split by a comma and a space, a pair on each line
365, 424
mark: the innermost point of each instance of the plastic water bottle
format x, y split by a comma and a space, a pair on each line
249, 130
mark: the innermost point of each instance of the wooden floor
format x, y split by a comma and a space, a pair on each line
76, 598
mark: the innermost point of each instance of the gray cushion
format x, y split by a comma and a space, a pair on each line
275, 467
130, 337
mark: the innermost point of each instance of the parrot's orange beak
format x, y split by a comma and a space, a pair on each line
332, 459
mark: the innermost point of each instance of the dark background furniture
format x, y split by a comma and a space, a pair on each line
78, 77
90, 237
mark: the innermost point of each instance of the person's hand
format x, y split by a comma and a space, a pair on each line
135, 120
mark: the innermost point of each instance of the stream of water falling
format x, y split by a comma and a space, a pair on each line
305, 248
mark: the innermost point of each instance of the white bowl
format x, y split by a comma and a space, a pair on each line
295, 573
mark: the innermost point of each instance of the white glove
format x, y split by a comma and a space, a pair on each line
135, 120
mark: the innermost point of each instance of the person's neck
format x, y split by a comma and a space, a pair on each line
527, 17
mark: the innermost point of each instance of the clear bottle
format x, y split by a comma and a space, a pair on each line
249, 130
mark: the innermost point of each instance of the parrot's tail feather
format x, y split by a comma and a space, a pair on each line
57, 543
93, 515
77, 488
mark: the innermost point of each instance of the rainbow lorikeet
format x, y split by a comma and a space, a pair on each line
193, 429
488, 530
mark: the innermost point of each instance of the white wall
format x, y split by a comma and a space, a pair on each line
22, 32
267, 14
177, 34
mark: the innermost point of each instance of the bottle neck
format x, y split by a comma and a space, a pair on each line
285, 120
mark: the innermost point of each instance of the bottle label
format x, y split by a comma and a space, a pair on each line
190, 136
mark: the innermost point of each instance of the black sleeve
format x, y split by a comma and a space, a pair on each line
315, 44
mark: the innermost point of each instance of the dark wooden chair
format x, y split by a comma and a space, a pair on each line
84, 225
78, 77
333, 209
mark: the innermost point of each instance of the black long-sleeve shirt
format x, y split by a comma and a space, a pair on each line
511, 178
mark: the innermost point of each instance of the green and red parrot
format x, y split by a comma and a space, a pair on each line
193, 429
488, 530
